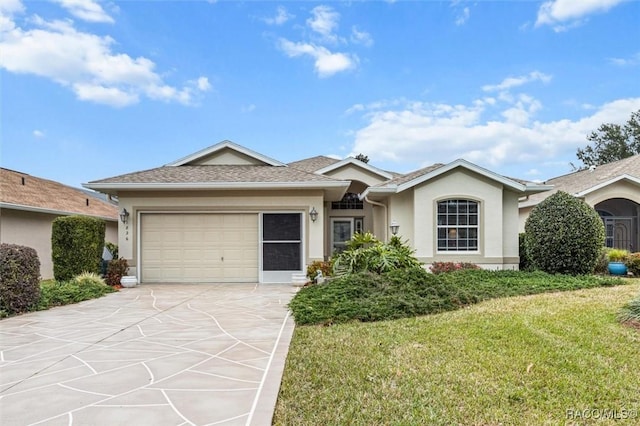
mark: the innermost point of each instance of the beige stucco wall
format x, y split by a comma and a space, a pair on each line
223, 201
498, 218
620, 189
33, 229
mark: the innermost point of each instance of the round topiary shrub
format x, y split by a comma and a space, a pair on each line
19, 278
564, 235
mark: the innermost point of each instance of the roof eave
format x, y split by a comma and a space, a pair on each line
22, 207
626, 177
149, 186
511, 184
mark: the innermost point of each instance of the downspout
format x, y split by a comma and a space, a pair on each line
376, 203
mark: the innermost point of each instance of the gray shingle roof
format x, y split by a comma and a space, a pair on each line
399, 180
582, 180
314, 163
216, 174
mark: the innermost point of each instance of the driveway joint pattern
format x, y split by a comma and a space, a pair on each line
163, 354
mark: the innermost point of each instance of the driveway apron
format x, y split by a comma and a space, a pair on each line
159, 354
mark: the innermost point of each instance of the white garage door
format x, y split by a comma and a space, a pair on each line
199, 247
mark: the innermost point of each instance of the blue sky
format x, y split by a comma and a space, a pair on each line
92, 89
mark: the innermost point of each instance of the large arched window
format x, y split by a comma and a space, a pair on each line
458, 227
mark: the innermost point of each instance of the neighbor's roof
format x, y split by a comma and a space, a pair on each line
581, 182
21, 191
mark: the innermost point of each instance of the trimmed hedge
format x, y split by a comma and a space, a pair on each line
564, 235
76, 246
19, 278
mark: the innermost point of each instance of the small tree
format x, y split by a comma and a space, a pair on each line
76, 246
564, 235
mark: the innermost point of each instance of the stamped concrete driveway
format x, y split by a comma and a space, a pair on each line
162, 354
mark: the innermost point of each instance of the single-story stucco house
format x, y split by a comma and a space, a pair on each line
29, 205
229, 214
612, 189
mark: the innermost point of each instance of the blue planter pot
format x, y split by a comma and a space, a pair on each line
617, 268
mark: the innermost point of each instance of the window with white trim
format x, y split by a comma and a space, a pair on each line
458, 227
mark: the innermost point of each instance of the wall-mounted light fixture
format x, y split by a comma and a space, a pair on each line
394, 227
313, 214
124, 216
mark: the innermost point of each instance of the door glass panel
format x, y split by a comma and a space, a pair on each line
342, 232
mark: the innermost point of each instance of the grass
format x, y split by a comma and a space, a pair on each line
512, 361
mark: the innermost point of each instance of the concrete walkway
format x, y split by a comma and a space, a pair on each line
162, 354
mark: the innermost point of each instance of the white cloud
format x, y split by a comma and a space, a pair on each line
564, 14
249, 108
87, 10
326, 63
511, 82
324, 21
86, 64
463, 16
38, 134
361, 37
626, 62
11, 7
280, 18
490, 132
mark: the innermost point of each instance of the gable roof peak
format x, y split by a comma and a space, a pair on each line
221, 146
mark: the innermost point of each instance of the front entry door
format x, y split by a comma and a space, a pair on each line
342, 229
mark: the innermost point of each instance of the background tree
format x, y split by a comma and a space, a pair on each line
612, 142
362, 158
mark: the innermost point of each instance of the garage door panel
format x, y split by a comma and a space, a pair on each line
199, 247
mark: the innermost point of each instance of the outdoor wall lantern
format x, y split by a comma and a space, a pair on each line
124, 216
313, 214
394, 227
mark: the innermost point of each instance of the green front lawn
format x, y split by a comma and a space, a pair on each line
541, 359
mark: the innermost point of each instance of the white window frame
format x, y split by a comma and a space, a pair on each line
477, 227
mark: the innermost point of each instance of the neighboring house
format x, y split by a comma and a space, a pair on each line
28, 206
229, 214
612, 189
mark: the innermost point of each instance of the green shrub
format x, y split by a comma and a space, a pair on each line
633, 264
564, 235
19, 278
441, 267
56, 293
401, 293
525, 262
602, 264
365, 253
76, 245
116, 269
